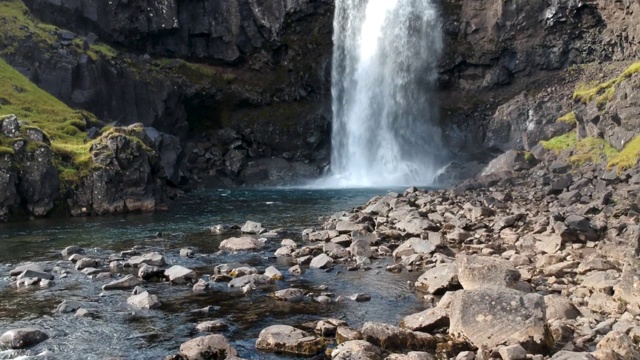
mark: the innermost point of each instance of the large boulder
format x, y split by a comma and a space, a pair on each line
500, 316
284, 339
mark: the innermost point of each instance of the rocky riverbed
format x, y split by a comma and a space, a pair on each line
535, 259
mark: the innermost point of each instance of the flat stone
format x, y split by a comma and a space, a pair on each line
273, 273
391, 337
414, 246
254, 279
284, 339
513, 352
180, 275
212, 326
35, 274
321, 261
153, 259
481, 271
356, 350
127, 282
251, 227
426, 321
22, 268
241, 244
22, 338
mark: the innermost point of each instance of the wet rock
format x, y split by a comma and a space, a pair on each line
426, 321
201, 286
144, 301
148, 272
360, 297
499, 316
291, 294
212, 326
221, 229
242, 271
328, 327
242, 281
251, 227
241, 244
22, 338
360, 248
72, 250
180, 275
321, 261
68, 306
391, 337
439, 279
476, 272
356, 350
414, 246
208, 347
283, 339
273, 273
187, 253
22, 268
127, 282
87, 262
35, 274
295, 270
152, 259
137, 290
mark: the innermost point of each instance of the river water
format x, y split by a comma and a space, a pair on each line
115, 332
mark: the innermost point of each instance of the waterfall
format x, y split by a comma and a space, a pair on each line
384, 114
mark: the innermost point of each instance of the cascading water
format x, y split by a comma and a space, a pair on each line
384, 71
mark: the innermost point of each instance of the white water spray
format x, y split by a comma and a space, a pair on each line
384, 70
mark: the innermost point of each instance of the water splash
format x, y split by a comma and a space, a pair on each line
384, 70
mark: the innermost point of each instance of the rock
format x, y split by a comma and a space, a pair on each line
251, 227
412, 355
356, 350
152, 259
283, 339
72, 250
35, 274
68, 306
22, 338
212, 326
508, 162
390, 337
513, 352
628, 289
87, 262
137, 290
148, 272
414, 246
273, 273
360, 248
144, 301
439, 279
360, 297
321, 261
221, 229
253, 280
344, 334
619, 343
328, 327
201, 286
208, 347
241, 244
476, 272
295, 270
180, 275
426, 321
22, 268
596, 264
559, 307
570, 355
187, 253
291, 294
499, 316
127, 282
416, 227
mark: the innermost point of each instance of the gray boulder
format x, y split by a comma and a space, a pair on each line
480, 271
284, 339
356, 350
207, 348
22, 338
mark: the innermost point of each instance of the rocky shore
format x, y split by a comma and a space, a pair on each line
535, 259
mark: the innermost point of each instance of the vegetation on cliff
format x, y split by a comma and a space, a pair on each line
603, 93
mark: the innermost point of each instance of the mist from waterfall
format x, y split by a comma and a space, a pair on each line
384, 114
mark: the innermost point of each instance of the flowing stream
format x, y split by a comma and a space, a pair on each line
384, 115
114, 331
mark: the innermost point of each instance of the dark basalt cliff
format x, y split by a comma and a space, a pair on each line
238, 92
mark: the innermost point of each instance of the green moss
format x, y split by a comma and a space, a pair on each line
569, 118
561, 143
528, 156
17, 23
603, 93
592, 150
628, 157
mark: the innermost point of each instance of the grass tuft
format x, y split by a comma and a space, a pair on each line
569, 118
628, 157
603, 93
592, 150
561, 143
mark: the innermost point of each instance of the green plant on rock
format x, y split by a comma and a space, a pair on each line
592, 150
561, 143
628, 157
603, 93
569, 118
